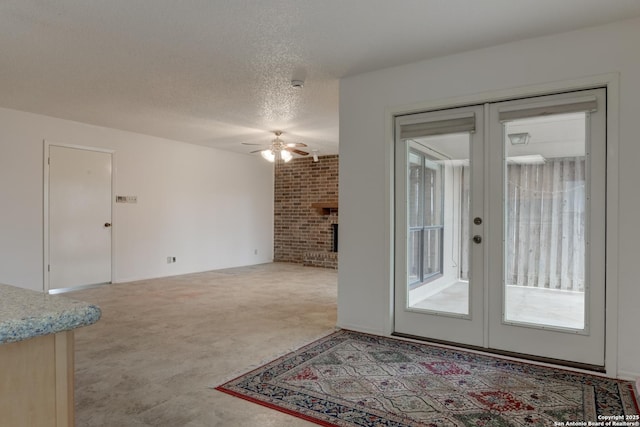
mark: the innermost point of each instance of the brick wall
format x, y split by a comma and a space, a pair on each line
302, 233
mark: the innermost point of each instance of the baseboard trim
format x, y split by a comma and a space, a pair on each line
630, 376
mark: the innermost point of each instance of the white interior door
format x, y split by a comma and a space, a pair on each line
500, 231
79, 217
547, 222
439, 289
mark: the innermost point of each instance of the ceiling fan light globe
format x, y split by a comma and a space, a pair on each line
286, 156
268, 155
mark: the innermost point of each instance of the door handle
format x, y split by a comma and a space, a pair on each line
107, 224
477, 239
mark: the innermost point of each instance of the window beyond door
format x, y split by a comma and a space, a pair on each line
425, 218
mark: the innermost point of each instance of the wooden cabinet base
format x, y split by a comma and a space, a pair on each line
36, 382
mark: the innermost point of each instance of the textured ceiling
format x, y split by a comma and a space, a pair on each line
218, 72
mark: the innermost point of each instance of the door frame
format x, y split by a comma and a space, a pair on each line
45, 162
611, 81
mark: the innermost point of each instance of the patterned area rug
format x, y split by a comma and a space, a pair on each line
352, 379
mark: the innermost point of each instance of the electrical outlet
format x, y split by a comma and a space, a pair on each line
169, 260
174, 259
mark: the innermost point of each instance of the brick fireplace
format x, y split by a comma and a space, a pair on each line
305, 211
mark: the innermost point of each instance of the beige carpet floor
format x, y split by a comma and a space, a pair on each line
161, 343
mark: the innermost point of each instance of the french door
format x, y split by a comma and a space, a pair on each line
500, 226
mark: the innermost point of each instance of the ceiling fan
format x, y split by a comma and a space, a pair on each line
279, 150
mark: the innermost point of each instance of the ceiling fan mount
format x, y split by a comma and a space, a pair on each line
279, 150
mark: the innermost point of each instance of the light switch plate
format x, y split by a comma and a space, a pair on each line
126, 199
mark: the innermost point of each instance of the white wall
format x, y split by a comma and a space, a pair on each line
365, 269
209, 208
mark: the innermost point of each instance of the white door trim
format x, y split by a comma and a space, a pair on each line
609, 80
46, 255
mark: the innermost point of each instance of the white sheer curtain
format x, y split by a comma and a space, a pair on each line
545, 218
546, 223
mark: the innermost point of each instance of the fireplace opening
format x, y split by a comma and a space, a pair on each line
334, 246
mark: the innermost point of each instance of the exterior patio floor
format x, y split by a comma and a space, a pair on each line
537, 306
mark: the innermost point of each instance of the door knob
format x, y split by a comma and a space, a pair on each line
477, 239
477, 220
107, 224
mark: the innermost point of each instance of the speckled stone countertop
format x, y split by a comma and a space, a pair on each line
26, 314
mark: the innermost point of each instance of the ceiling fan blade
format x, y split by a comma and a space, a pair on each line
250, 143
299, 152
257, 151
296, 144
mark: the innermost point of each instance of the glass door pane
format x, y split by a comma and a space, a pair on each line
437, 187
545, 221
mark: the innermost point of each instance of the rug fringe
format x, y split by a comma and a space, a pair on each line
271, 358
